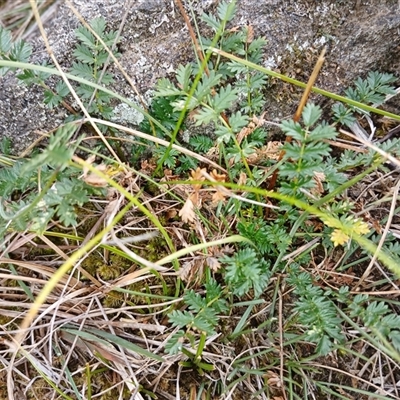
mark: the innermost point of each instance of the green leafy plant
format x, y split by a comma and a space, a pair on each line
316, 311
22, 208
225, 87
281, 284
201, 317
304, 155
91, 59
372, 90
378, 317
12, 51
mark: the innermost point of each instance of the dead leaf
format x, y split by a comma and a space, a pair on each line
167, 173
192, 115
213, 153
234, 29
269, 152
197, 175
245, 131
187, 212
218, 196
185, 272
242, 179
90, 161
250, 34
148, 167
94, 180
318, 177
213, 263
259, 121
192, 270
220, 192
273, 380
170, 214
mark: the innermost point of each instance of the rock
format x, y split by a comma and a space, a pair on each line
360, 35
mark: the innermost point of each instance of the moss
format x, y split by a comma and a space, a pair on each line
114, 299
92, 263
155, 249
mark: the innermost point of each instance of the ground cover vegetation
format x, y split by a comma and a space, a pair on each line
159, 263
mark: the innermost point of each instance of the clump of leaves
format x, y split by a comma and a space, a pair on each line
315, 311
372, 90
224, 88
304, 155
378, 317
91, 58
202, 316
245, 271
12, 51
21, 206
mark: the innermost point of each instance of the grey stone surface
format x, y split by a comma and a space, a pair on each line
360, 35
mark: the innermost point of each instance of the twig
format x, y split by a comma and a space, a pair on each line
192, 34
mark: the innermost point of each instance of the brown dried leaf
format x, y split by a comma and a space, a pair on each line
244, 132
234, 29
191, 270
218, 177
196, 199
187, 213
318, 177
269, 152
242, 178
251, 127
273, 380
167, 173
169, 214
197, 175
213, 153
218, 196
148, 167
250, 34
259, 121
90, 161
94, 180
213, 263
220, 192
192, 115
185, 271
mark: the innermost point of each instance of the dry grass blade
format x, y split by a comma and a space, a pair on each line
43, 270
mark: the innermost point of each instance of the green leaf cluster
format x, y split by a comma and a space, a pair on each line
269, 238
316, 312
224, 89
378, 317
90, 56
12, 51
304, 155
246, 271
202, 315
372, 90
42, 188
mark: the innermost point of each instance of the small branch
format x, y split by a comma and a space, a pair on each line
192, 34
